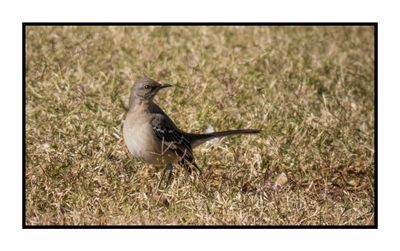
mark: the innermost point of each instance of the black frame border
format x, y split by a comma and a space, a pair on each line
373, 24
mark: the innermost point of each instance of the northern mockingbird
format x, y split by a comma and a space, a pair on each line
152, 137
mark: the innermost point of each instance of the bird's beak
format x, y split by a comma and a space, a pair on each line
162, 86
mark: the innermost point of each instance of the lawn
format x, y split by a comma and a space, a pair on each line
309, 89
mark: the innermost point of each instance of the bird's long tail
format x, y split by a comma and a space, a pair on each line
198, 139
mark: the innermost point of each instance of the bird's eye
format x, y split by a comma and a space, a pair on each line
147, 87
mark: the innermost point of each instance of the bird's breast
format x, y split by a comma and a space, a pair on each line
142, 142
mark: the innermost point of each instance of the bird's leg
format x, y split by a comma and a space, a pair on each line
169, 173
190, 166
197, 167
167, 170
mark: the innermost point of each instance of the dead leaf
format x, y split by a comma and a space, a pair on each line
281, 180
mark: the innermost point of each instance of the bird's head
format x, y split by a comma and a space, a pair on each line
146, 89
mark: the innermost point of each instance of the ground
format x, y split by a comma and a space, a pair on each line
309, 89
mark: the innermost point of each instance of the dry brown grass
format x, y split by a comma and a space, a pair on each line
310, 89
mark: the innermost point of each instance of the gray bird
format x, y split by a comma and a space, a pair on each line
152, 137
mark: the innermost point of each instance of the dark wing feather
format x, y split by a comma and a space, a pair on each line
173, 139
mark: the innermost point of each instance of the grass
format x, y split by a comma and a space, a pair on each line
310, 90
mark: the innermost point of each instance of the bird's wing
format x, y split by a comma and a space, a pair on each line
173, 139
